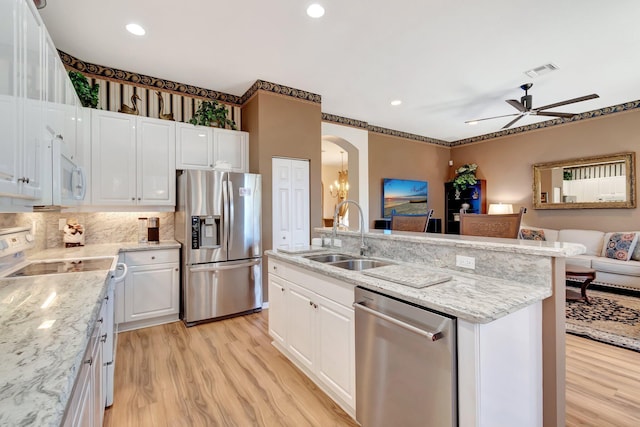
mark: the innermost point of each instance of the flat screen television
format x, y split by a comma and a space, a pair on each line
404, 196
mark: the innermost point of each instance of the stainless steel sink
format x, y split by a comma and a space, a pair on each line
360, 264
329, 257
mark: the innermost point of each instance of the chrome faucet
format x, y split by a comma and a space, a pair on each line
334, 231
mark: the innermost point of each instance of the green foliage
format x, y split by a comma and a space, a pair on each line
88, 94
465, 176
212, 113
566, 176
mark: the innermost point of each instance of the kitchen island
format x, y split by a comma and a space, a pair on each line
509, 294
42, 346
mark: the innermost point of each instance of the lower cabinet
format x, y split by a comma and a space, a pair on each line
149, 294
311, 320
87, 402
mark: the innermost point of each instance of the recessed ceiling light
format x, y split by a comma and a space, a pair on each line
315, 11
136, 29
472, 122
396, 102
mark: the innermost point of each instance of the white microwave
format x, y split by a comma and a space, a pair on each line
68, 184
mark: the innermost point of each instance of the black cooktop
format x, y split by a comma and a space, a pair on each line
57, 267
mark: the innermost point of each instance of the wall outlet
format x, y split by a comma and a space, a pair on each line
61, 223
466, 262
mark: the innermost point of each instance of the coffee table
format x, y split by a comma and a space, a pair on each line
587, 275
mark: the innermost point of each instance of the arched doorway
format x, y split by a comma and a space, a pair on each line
340, 168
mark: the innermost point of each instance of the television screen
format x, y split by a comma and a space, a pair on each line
404, 196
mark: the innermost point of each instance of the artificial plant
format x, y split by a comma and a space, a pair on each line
465, 176
212, 113
88, 94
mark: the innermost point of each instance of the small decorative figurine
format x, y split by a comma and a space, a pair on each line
128, 110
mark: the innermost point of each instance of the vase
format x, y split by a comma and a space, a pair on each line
465, 206
457, 194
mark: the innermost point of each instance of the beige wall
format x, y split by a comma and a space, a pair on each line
283, 127
393, 157
506, 164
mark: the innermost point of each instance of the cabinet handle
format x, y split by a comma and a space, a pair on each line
133, 198
315, 305
24, 179
281, 289
100, 320
275, 268
153, 257
89, 362
138, 198
177, 269
104, 338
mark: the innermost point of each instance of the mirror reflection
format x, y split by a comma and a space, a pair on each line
594, 182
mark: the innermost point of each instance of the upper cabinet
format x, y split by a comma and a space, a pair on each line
133, 160
22, 72
202, 147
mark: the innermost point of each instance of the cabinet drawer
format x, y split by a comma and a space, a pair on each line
158, 256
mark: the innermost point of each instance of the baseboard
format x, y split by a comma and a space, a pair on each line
265, 305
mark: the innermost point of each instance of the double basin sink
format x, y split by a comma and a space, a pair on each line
348, 262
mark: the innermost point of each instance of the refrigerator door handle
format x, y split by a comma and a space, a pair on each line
224, 267
231, 212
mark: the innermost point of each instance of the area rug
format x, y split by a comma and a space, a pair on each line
611, 318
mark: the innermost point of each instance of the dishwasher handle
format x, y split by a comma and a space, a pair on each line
432, 336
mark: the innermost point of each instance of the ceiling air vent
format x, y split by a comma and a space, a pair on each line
543, 69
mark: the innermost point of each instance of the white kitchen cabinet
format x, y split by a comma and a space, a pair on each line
277, 309
21, 99
149, 294
133, 160
312, 322
202, 147
86, 404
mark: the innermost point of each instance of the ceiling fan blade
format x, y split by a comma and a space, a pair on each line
491, 118
569, 101
508, 125
552, 114
517, 105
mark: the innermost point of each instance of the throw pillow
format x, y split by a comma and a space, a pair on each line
621, 245
529, 234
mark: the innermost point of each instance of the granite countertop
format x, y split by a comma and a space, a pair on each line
39, 365
474, 298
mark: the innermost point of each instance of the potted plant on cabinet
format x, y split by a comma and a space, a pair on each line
88, 94
465, 176
212, 113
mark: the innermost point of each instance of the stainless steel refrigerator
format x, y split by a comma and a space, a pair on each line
218, 222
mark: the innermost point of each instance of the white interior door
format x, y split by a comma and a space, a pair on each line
290, 201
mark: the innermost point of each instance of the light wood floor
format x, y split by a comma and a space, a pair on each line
227, 373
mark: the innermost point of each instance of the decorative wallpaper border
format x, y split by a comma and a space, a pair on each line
280, 89
144, 80
332, 118
627, 106
154, 83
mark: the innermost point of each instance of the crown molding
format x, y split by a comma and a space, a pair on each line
280, 90
332, 118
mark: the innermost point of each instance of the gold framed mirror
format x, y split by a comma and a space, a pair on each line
586, 183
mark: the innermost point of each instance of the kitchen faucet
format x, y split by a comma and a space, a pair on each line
334, 231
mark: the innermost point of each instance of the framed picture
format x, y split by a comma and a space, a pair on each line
543, 197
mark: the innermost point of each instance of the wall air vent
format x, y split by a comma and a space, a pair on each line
543, 69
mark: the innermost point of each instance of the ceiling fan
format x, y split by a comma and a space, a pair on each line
524, 107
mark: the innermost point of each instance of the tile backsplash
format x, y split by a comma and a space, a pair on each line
100, 227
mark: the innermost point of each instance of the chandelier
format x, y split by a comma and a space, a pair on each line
340, 188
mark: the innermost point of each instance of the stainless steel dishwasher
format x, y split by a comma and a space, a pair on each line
405, 364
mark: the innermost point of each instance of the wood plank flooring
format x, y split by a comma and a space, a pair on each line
227, 373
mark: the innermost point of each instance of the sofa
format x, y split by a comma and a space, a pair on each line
614, 255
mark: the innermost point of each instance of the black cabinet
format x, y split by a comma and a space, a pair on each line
474, 196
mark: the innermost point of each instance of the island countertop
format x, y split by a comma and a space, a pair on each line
474, 298
39, 363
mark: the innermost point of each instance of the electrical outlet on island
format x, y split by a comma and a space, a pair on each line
466, 262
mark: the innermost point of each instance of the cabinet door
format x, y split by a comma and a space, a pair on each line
156, 148
335, 360
230, 150
194, 147
300, 324
151, 291
69, 135
277, 309
113, 158
9, 102
97, 377
32, 77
